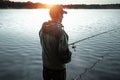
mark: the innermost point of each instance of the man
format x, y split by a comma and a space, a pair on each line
54, 41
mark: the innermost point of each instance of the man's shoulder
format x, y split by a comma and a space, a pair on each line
52, 28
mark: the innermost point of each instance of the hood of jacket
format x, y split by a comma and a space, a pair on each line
52, 28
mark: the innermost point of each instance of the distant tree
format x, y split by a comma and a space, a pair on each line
3, 0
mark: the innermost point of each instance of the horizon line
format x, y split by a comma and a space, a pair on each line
66, 3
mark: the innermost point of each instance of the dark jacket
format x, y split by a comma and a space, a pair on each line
54, 41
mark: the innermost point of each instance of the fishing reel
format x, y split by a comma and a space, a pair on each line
74, 47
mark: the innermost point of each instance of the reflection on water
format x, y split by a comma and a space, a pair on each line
95, 58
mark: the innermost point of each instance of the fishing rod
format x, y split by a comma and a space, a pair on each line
94, 64
73, 43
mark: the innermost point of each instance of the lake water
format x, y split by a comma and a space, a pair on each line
95, 58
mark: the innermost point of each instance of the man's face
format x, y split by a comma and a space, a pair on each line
60, 17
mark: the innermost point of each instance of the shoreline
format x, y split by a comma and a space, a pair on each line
31, 5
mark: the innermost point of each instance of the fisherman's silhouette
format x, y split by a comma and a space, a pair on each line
54, 42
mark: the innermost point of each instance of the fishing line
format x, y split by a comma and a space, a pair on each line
94, 64
90, 68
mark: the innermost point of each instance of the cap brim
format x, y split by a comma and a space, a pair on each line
65, 12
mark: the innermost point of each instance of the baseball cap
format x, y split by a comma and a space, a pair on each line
57, 9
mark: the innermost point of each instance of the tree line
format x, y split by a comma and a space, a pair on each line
5, 4
19, 5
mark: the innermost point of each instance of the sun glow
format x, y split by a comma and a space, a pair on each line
49, 1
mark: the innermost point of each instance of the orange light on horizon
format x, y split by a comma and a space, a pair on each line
49, 5
51, 2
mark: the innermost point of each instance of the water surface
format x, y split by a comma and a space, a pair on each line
96, 58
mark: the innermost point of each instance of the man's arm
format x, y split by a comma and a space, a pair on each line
64, 52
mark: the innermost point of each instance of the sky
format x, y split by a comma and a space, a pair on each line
73, 1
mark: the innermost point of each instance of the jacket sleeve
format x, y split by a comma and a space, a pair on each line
63, 49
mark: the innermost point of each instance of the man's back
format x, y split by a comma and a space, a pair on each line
51, 34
